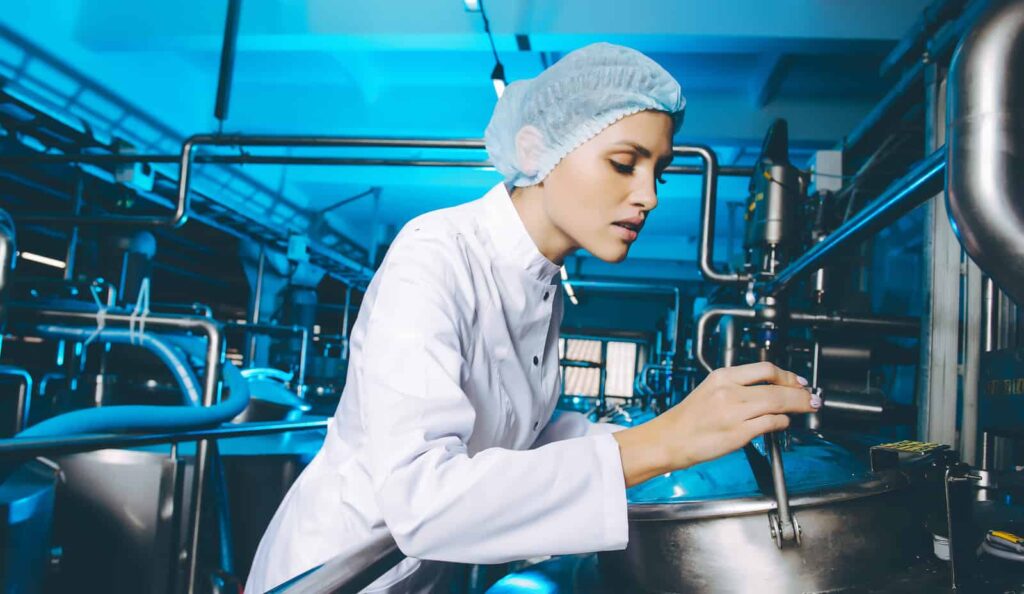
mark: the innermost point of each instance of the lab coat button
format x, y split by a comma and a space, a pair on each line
546, 295
535, 425
536, 361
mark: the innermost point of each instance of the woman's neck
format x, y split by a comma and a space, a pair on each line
551, 241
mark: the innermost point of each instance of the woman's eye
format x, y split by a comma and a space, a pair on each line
621, 167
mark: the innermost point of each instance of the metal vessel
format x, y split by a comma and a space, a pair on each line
706, 529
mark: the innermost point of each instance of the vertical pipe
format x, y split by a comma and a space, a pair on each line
256, 303
601, 399
300, 384
227, 60
973, 329
220, 486
211, 395
988, 315
71, 256
814, 419
938, 385
727, 341
344, 323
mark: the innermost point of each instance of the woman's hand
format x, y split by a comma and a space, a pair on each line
728, 409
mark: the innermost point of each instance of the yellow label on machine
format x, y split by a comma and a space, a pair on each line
911, 447
1007, 536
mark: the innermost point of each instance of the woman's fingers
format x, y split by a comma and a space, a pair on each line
764, 424
761, 373
763, 400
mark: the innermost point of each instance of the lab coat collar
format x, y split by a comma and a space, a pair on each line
511, 237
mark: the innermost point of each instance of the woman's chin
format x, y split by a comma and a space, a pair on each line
610, 253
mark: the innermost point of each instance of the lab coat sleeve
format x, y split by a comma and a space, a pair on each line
569, 424
438, 502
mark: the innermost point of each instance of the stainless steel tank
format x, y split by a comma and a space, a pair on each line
705, 529
122, 515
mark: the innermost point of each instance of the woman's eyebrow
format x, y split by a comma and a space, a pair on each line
639, 148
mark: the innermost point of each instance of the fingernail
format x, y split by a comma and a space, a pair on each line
816, 399
803, 381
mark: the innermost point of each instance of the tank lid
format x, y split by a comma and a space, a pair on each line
812, 464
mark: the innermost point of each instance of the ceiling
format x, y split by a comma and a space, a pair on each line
420, 68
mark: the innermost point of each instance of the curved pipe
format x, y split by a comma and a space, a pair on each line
24, 394
905, 326
167, 354
985, 149
148, 417
705, 319
708, 204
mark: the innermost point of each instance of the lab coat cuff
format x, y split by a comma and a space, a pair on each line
616, 523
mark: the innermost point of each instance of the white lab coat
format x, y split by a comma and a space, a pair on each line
444, 435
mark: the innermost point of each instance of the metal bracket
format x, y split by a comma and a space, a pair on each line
784, 533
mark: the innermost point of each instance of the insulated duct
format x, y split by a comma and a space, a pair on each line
985, 147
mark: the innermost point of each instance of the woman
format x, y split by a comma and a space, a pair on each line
445, 436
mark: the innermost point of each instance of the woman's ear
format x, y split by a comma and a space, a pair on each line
529, 146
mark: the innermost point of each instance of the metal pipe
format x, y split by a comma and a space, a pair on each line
986, 133
916, 40
71, 255
898, 325
26, 448
212, 330
8, 249
708, 204
853, 406
21, 411
727, 340
220, 489
344, 322
988, 315
923, 181
300, 383
702, 329
173, 221
349, 572
246, 159
227, 60
257, 299
195, 307
211, 391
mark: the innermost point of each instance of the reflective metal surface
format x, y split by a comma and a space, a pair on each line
706, 528
986, 145
115, 521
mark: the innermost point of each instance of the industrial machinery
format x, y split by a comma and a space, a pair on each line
827, 506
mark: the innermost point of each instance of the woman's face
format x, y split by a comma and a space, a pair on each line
600, 194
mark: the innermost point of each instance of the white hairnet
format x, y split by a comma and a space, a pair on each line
539, 121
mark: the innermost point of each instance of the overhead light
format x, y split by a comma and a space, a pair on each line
498, 78
42, 260
472, 5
